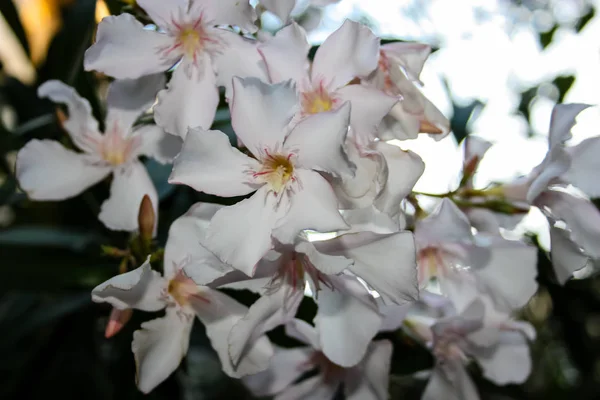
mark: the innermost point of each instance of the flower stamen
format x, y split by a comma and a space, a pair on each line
277, 171
317, 100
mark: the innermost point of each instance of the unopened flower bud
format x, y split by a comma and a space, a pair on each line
116, 321
146, 219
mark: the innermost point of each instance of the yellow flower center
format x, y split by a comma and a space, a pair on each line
277, 171
190, 39
115, 148
316, 101
183, 290
114, 157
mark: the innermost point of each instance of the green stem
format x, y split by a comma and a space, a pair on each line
440, 195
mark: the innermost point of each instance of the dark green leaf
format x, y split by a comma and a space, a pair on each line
546, 37
585, 19
461, 117
49, 237
563, 84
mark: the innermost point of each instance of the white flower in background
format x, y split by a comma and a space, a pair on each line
398, 71
385, 262
559, 167
187, 32
283, 8
290, 194
368, 380
575, 244
496, 342
505, 270
350, 52
46, 170
161, 343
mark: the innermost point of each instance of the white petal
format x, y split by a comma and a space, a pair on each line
261, 112
188, 102
47, 171
184, 248
580, 215
81, 125
303, 332
162, 12
413, 113
281, 8
313, 206
129, 186
208, 163
404, 168
351, 51
508, 362
567, 257
240, 58
156, 143
411, 56
237, 280
456, 384
591, 269
369, 106
469, 321
267, 313
285, 54
385, 262
231, 12
373, 374
286, 366
393, 315
341, 339
446, 224
139, 289
561, 122
319, 141
125, 50
360, 190
370, 219
204, 212
556, 163
314, 388
323, 3
585, 164
219, 316
484, 220
259, 283
327, 264
510, 273
127, 99
475, 148
240, 235
159, 347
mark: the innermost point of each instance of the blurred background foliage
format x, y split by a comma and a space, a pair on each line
52, 335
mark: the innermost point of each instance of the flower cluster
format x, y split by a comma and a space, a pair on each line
309, 155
